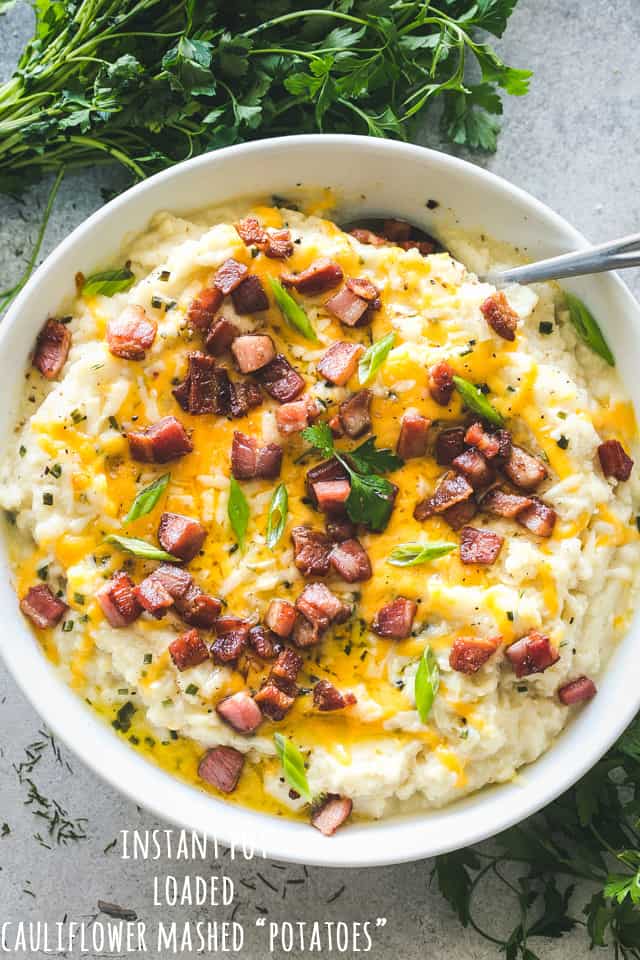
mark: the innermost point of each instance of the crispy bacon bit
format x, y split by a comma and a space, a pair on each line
240, 711
479, 546
500, 316
221, 767
153, 596
532, 654
197, 608
206, 388
322, 275
52, 349
397, 231
180, 536
280, 617
203, 308
414, 430
460, 514
363, 287
250, 296
487, 443
305, 633
348, 307
472, 465
287, 666
449, 445
332, 814
323, 472
232, 636
220, 336
339, 530
351, 561
368, 237
441, 382
251, 231
297, 415
280, 380
538, 518
425, 247
331, 495
311, 550
321, 607
279, 244
188, 650
131, 333
250, 461
576, 691
118, 600
614, 460
42, 608
451, 490
278, 694
339, 362
230, 275
468, 654
395, 619
504, 504
253, 351
524, 470
244, 397
169, 585
326, 697
355, 413
264, 642
160, 442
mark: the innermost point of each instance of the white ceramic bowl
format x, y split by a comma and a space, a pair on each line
373, 177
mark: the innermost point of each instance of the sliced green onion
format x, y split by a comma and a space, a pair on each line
475, 400
426, 683
411, 554
238, 510
292, 762
277, 516
140, 548
292, 311
373, 358
587, 328
147, 499
108, 282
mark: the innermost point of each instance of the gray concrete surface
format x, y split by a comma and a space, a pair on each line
574, 142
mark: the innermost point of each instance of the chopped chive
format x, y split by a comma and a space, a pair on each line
43, 572
79, 598
563, 442
192, 689
169, 305
134, 740
164, 275
638, 523
173, 734
47, 499
562, 415
167, 703
22, 451
545, 326
123, 693
148, 658
510, 615
67, 626
56, 470
156, 302
113, 423
77, 416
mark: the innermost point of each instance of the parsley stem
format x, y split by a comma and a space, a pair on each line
307, 13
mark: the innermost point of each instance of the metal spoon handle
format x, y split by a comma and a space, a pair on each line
614, 255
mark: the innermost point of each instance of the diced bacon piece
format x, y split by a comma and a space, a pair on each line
305, 633
440, 382
533, 653
338, 364
264, 642
230, 275
487, 443
240, 711
118, 600
280, 617
323, 274
396, 231
198, 608
181, 536
472, 465
250, 296
460, 514
468, 654
321, 607
504, 439
231, 640
503, 504
614, 460
395, 619
251, 231
287, 666
244, 397
326, 697
206, 388
324, 472
355, 413
348, 307
275, 702
500, 316
368, 237
524, 470
577, 691
250, 461
331, 495
279, 245
221, 767
52, 349
363, 287
311, 550
351, 561
158, 591
332, 814
425, 247
414, 430
203, 308
160, 442
280, 380
479, 546
539, 518
42, 608
253, 351
188, 650
296, 416
339, 530
452, 489
220, 336
131, 333
449, 445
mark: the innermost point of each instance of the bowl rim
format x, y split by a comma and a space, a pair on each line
154, 789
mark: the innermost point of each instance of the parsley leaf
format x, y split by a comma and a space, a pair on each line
367, 459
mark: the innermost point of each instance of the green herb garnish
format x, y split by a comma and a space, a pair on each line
373, 358
412, 554
277, 516
426, 683
292, 311
146, 500
237, 510
586, 326
292, 762
140, 548
475, 400
108, 283
367, 458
